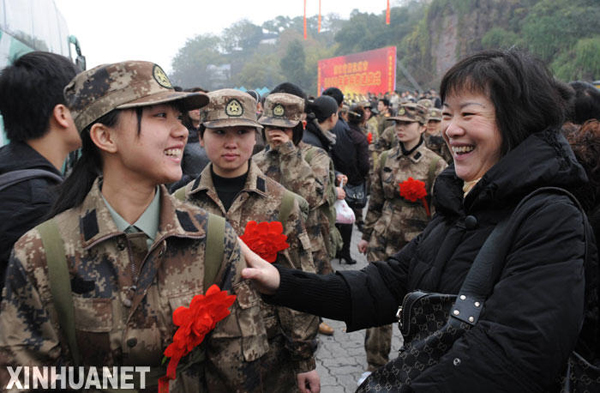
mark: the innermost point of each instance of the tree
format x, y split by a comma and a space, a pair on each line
191, 62
293, 64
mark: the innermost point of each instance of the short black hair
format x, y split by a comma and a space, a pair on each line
290, 88
586, 104
30, 88
335, 93
385, 101
525, 95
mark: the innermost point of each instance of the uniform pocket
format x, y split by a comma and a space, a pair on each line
245, 324
93, 314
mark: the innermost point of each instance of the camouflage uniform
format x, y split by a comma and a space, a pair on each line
436, 143
392, 222
291, 334
125, 290
308, 177
123, 317
386, 140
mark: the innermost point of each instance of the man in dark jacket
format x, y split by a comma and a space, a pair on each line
42, 134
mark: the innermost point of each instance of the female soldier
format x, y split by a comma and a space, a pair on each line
393, 221
304, 169
299, 167
501, 118
234, 187
134, 253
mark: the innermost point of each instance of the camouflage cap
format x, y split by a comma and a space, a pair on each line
129, 84
282, 110
411, 112
426, 103
435, 114
229, 108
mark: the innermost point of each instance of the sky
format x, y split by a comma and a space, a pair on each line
116, 30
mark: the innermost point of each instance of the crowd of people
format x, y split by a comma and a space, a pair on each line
94, 265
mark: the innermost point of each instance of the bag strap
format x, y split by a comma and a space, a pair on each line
310, 152
488, 263
215, 233
382, 158
14, 177
431, 173
287, 204
214, 248
60, 284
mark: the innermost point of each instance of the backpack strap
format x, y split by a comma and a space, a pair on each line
382, 158
287, 204
60, 284
431, 173
310, 152
14, 177
215, 246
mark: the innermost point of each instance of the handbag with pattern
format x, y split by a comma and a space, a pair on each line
431, 322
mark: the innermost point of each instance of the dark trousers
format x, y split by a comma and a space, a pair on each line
346, 232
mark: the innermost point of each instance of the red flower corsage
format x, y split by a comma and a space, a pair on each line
413, 190
370, 138
194, 324
266, 239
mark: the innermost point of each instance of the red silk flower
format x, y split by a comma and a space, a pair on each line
194, 324
266, 239
370, 138
413, 190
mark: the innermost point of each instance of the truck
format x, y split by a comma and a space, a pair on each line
30, 25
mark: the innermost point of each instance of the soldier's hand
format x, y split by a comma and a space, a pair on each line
261, 272
277, 137
309, 382
362, 246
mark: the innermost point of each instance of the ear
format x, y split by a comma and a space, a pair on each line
103, 137
423, 128
62, 116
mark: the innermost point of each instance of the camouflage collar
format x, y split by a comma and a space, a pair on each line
415, 156
97, 225
256, 181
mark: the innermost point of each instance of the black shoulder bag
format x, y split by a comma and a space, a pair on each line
431, 322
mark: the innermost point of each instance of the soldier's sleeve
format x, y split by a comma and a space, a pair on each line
28, 328
376, 201
300, 329
307, 180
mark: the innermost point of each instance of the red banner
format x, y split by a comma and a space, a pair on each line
373, 71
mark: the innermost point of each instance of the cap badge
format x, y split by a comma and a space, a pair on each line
401, 111
161, 77
278, 110
234, 108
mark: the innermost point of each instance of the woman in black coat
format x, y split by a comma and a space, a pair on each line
501, 118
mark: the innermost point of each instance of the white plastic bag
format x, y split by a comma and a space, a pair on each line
343, 213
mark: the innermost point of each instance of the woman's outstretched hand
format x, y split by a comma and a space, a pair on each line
261, 272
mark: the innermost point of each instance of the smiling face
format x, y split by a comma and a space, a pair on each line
470, 130
154, 155
229, 149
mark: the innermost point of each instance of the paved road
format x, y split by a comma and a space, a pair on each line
341, 358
